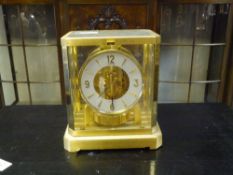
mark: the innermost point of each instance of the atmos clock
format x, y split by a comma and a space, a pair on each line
111, 89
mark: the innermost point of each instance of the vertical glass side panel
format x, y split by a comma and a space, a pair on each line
76, 105
145, 56
148, 91
156, 82
80, 114
67, 87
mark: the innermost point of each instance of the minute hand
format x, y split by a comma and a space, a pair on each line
111, 89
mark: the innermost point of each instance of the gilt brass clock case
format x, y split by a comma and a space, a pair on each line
111, 89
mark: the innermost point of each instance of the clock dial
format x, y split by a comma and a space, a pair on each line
111, 82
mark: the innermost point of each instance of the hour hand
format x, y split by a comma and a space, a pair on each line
112, 105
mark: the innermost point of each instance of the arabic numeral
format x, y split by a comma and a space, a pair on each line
136, 83
87, 84
110, 59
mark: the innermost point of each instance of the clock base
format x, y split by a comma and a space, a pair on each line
78, 143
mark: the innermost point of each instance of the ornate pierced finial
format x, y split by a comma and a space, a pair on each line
107, 18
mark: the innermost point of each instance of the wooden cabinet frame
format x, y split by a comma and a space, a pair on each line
225, 92
64, 5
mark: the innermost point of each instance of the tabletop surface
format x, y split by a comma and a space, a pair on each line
197, 140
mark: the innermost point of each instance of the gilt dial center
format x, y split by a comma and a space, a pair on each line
111, 82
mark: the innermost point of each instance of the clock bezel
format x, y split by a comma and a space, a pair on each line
104, 49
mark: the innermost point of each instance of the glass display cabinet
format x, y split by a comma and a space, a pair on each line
29, 64
110, 80
194, 51
195, 46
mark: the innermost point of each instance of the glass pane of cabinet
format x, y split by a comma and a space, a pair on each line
42, 63
30, 40
193, 42
175, 63
176, 24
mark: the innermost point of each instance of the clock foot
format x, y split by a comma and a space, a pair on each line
78, 143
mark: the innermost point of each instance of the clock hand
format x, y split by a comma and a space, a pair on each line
111, 86
112, 105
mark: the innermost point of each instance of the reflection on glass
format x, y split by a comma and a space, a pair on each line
3, 39
180, 18
175, 63
173, 93
42, 63
166, 19
204, 24
46, 93
38, 24
35, 23
177, 24
211, 10
210, 24
220, 26
136, 162
29, 25
224, 8
201, 17
13, 23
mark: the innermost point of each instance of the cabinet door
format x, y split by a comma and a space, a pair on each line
194, 47
113, 14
